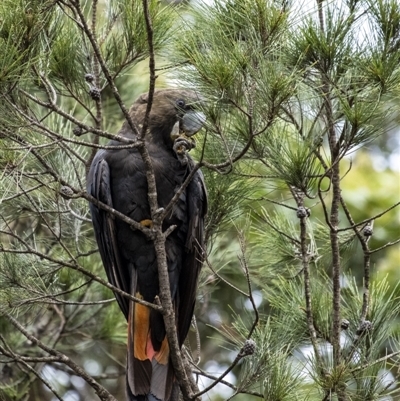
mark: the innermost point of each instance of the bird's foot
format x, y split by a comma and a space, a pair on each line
146, 223
149, 223
182, 145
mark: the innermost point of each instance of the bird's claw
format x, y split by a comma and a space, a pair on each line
146, 223
182, 145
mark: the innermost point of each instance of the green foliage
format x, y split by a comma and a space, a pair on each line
269, 366
276, 247
292, 159
233, 57
383, 311
290, 107
22, 275
11, 66
68, 55
290, 97
22, 30
324, 49
25, 21
387, 21
125, 36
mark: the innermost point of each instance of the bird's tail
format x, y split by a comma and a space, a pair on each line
149, 374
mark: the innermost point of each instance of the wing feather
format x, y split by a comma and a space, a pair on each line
104, 227
194, 253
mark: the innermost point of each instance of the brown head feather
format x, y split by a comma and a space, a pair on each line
165, 112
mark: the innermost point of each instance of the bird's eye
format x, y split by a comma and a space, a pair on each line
180, 103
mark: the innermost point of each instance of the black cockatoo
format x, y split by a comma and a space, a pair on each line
118, 179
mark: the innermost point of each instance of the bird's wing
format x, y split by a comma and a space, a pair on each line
194, 253
98, 185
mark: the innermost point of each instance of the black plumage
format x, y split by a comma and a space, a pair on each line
118, 179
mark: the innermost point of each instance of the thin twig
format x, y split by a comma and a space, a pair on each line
70, 118
217, 380
23, 361
200, 372
305, 262
333, 219
245, 267
290, 238
384, 246
224, 280
77, 267
103, 394
376, 361
363, 222
367, 261
152, 66
279, 203
104, 67
98, 102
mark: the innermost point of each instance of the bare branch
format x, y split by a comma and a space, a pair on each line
152, 66
103, 394
245, 267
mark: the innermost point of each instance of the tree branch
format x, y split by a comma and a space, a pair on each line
103, 394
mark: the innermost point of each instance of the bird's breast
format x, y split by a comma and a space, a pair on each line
130, 189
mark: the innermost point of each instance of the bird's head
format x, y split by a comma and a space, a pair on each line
173, 113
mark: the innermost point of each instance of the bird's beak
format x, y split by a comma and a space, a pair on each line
192, 122
188, 125
175, 131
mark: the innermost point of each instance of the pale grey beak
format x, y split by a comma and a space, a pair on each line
192, 122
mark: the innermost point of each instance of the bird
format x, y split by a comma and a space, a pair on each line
117, 178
